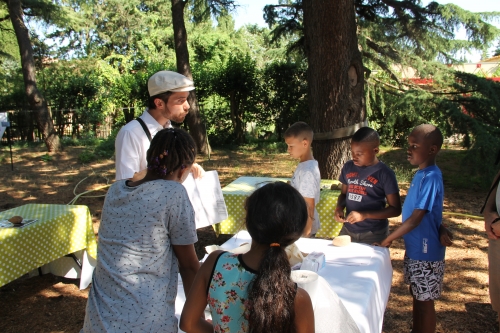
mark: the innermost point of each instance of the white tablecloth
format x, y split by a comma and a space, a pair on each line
361, 275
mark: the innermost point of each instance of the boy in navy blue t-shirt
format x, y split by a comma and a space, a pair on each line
424, 235
370, 192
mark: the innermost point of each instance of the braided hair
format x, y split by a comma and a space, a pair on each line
170, 149
276, 213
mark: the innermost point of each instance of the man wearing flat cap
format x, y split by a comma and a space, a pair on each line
168, 93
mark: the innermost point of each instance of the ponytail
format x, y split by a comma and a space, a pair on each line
276, 216
272, 295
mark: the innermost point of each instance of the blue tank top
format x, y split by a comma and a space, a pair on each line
227, 293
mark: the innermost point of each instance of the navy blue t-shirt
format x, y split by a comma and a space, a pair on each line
367, 188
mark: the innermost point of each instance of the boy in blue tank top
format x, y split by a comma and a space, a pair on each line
424, 235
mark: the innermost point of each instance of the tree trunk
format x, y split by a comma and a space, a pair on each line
193, 120
236, 117
129, 114
335, 78
35, 98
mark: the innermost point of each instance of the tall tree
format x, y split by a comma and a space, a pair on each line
335, 82
193, 119
35, 97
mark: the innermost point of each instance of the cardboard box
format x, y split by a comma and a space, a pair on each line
313, 262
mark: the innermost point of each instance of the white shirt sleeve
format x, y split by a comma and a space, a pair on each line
128, 154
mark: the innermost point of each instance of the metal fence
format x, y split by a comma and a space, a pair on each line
67, 123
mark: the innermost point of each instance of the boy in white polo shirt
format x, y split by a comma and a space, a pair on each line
306, 178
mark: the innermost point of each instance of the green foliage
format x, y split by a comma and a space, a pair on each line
9, 49
12, 94
218, 124
286, 97
404, 36
113, 47
264, 147
106, 148
86, 156
46, 158
95, 149
497, 50
236, 80
70, 142
103, 53
459, 103
98, 149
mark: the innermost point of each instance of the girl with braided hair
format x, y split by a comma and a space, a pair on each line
253, 292
146, 237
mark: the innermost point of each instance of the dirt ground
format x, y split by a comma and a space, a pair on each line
53, 304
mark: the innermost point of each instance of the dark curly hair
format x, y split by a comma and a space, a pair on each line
170, 149
276, 213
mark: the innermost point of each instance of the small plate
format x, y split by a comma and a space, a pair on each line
6, 224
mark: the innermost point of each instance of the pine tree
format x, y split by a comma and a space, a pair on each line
393, 37
496, 53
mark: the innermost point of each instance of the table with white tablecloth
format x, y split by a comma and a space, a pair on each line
361, 276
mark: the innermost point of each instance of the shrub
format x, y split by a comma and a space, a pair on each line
86, 156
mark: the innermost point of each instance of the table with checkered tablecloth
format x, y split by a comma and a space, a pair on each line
60, 230
236, 192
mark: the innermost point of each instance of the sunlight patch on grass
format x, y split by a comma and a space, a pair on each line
21, 181
49, 169
60, 184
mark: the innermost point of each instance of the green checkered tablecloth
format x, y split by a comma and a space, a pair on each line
60, 230
236, 192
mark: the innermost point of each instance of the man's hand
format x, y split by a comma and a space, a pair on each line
354, 217
339, 215
488, 219
197, 171
445, 236
384, 243
495, 228
139, 175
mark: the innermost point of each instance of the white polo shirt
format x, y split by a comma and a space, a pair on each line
132, 144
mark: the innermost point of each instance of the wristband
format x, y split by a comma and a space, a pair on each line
495, 220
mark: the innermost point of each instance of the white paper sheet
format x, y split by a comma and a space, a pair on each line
3, 118
206, 197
